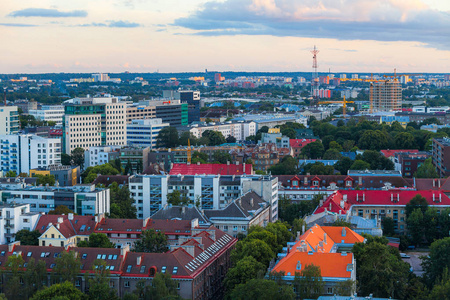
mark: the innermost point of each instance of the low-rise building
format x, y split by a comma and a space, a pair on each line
407, 163
64, 175
212, 169
239, 130
100, 155
134, 158
13, 218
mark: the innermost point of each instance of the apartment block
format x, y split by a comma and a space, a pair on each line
47, 113
239, 130
9, 118
144, 133
13, 218
21, 153
83, 199
136, 158
386, 95
441, 156
99, 155
91, 122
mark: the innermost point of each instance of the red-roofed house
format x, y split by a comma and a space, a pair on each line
298, 144
390, 153
212, 169
372, 204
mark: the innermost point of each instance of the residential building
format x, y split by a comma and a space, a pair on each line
374, 204
407, 163
386, 95
21, 153
83, 199
170, 111
323, 246
238, 216
99, 155
356, 173
262, 156
391, 153
64, 175
100, 77
53, 113
441, 156
239, 130
212, 191
298, 144
135, 159
25, 105
13, 218
274, 136
91, 122
9, 118
65, 230
187, 213
212, 169
272, 120
144, 133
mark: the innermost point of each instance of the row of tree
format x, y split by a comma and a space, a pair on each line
170, 138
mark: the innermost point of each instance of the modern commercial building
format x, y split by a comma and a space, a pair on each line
9, 119
143, 133
99, 155
441, 156
47, 113
170, 111
192, 98
91, 122
25, 105
239, 130
211, 191
134, 159
21, 153
81, 199
13, 218
386, 95
64, 175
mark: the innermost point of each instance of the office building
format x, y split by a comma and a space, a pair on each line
239, 130
21, 153
99, 77
386, 95
169, 111
192, 99
13, 218
91, 122
48, 113
100, 155
211, 191
9, 119
441, 156
143, 133
82, 199
25, 105
64, 175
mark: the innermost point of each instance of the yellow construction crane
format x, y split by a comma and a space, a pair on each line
189, 152
343, 102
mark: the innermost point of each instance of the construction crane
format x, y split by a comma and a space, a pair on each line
343, 102
189, 152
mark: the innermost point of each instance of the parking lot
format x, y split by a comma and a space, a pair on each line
415, 261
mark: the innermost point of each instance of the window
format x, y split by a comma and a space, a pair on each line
99, 256
330, 290
127, 284
163, 269
129, 269
175, 270
84, 256
29, 254
225, 227
142, 269
235, 228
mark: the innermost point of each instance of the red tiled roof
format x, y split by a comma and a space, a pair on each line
119, 225
300, 143
179, 227
80, 225
388, 153
216, 169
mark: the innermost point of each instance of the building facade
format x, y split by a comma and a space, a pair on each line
386, 95
64, 175
99, 155
239, 130
91, 122
47, 113
144, 133
441, 156
9, 118
13, 218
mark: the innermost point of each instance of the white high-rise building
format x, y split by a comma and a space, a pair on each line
143, 133
20, 153
9, 120
49, 113
89, 122
99, 77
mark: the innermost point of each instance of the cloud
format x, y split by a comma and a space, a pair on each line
115, 24
47, 13
384, 20
17, 25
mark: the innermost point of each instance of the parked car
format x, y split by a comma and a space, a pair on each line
404, 255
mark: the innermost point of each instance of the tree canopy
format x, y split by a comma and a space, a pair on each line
151, 241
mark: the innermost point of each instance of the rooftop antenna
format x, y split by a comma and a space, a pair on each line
315, 77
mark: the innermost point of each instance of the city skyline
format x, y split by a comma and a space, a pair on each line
230, 35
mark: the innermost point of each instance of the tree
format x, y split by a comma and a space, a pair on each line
65, 159
262, 289
268, 237
97, 240
167, 137
128, 167
405, 140
27, 237
332, 154
416, 202
318, 168
77, 157
244, 270
373, 140
91, 173
437, 261
359, 165
34, 277
388, 226
67, 266
65, 290
122, 204
426, 170
415, 226
377, 161
11, 174
177, 198
98, 281
342, 223
162, 287
12, 271
151, 241
343, 165
199, 157
287, 166
345, 288
222, 157
60, 209
309, 283
231, 139
215, 137
257, 249
45, 179
187, 136
313, 150
335, 145
441, 290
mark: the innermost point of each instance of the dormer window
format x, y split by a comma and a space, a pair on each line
294, 182
315, 183
348, 183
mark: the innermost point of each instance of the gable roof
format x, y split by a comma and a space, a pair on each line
79, 225
120, 225
216, 169
300, 143
180, 213
388, 153
247, 206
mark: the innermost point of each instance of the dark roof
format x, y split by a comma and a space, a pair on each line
120, 225
180, 213
170, 226
106, 180
80, 225
247, 206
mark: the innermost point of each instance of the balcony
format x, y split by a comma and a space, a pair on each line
9, 226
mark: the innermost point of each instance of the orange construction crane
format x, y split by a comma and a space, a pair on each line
189, 152
343, 102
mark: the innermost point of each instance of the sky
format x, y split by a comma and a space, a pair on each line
373, 36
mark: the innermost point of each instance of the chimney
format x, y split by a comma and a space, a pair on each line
228, 162
342, 205
439, 183
392, 197
330, 206
144, 222
243, 167
433, 197
198, 163
305, 180
124, 250
398, 197
303, 228
320, 202
12, 245
360, 180
183, 210
344, 232
60, 219
251, 202
364, 196
57, 226
440, 197
70, 216
324, 237
139, 260
344, 197
434, 182
194, 223
237, 163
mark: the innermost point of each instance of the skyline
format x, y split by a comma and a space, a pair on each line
231, 35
